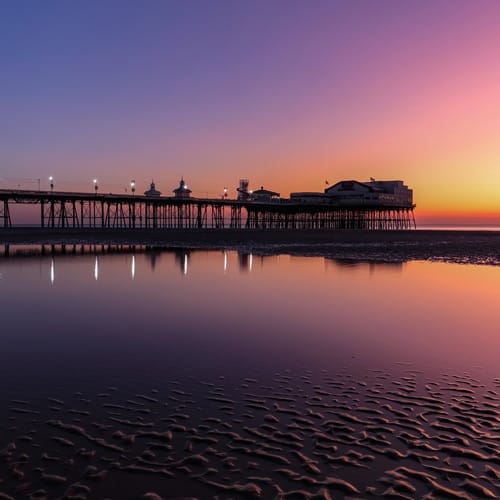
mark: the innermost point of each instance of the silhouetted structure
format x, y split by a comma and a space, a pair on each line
152, 191
264, 195
182, 191
345, 205
242, 189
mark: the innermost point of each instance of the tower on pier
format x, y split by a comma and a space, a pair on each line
182, 191
152, 191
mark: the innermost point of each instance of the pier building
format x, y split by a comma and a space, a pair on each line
355, 193
182, 191
152, 191
264, 195
374, 193
350, 204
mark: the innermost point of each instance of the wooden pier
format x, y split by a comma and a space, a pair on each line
61, 210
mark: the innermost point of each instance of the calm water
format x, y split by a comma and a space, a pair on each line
204, 373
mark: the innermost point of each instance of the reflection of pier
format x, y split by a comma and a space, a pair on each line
182, 258
86, 210
151, 253
66, 249
243, 261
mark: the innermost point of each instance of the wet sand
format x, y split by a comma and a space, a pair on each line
391, 434
479, 247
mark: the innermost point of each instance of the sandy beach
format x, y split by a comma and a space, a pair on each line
479, 247
295, 436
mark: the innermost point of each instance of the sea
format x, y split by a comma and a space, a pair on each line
458, 227
135, 372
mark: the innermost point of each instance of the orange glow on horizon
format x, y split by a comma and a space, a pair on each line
457, 217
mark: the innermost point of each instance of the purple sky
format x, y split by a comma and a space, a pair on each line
285, 93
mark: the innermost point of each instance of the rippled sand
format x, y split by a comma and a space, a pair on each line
297, 436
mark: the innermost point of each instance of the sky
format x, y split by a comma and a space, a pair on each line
287, 94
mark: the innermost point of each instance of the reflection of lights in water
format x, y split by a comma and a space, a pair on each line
52, 272
96, 268
250, 262
133, 266
185, 263
225, 261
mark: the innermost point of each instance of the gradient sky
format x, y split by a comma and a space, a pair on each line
284, 93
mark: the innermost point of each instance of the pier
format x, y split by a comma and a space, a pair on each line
73, 210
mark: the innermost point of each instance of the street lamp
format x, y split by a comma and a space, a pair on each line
225, 192
51, 180
96, 187
132, 186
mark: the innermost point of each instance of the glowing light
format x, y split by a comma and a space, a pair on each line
52, 271
185, 264
133, 267
96, 268
225, 261
250, 262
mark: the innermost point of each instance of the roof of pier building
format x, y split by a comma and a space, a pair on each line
393, 192
308, 197
152, 191
264, 194
182, 191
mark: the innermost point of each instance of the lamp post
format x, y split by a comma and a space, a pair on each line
94, 203
132, 216
225, 192
51, 180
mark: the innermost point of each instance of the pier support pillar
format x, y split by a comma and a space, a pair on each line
5, 214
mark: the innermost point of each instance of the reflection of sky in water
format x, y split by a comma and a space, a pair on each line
211, 312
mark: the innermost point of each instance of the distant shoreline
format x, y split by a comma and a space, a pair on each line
203, 237
467, 246
28, 235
